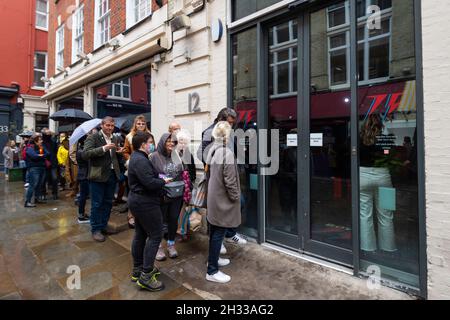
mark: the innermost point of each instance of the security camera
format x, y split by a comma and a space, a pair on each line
155, 66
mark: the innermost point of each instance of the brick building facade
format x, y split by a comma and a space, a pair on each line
220, 60
23, 56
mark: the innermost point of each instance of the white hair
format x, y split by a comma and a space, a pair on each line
222, 132
183, 135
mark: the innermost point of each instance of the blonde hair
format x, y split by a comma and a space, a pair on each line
222, 132
139, 118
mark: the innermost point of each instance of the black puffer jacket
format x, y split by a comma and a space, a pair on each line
142, 177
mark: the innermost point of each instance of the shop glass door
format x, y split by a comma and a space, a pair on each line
309, 199
328, 225
282, 223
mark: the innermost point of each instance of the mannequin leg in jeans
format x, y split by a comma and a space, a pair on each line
370, 181
386, 234
368, 239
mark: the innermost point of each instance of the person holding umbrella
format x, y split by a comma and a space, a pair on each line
101, 151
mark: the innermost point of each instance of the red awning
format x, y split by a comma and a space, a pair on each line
384, 99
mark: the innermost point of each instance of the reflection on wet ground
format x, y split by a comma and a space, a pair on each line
37, 245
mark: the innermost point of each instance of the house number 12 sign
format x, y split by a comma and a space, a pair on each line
194, 101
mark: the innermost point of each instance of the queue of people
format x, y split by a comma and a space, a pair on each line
42, 161
157, 180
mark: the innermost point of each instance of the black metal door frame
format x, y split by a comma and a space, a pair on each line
302, 8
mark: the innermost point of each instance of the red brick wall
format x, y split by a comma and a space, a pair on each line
65, 8
19, 41
118, 17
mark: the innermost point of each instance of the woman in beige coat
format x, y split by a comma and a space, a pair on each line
224, 206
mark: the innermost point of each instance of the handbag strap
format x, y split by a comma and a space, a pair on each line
208, 167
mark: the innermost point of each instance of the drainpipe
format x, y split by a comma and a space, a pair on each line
30, 46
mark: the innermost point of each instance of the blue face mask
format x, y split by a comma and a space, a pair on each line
151, 148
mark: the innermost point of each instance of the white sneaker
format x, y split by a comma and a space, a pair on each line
219, 277
223, 250
237, 239
26, 185
222, 262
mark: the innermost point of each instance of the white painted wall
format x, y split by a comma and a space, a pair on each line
205, 74
436, 68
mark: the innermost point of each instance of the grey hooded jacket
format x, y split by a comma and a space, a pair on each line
163, 162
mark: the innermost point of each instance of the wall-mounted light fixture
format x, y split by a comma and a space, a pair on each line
84, 57
113, 44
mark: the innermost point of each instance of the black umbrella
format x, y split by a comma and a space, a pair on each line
123, 123
26, 134
70, 116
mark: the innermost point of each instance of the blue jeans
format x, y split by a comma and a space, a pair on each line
216, 236
102, 195
37, 179
231, 232
84, 193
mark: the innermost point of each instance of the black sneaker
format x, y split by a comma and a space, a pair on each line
136, 274
148, 281
83, 220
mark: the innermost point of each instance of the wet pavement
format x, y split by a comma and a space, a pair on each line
37, 245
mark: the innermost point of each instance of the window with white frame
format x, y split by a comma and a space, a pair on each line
40, 69
138, 10
42, 14
374, 46
59, 48
120, 89
283, 59
102, 26
77, 33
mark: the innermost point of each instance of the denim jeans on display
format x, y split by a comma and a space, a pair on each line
371, 179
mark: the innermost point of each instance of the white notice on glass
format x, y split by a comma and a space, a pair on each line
292, 140
316, 139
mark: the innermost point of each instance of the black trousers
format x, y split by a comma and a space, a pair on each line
148, 231
171, 212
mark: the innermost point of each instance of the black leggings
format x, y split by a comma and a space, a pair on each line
148, 219
171, 212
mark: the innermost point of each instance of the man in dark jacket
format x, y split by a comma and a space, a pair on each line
101, 151
51, 146
229, 115
226, 114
